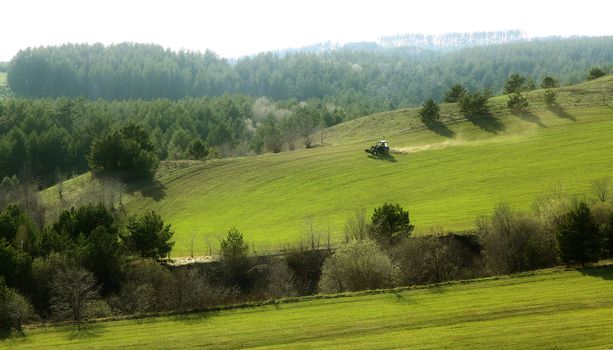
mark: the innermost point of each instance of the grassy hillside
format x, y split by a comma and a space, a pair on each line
551, 309
446, 175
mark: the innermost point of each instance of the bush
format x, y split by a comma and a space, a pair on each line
146, 287
305, 266
434, 259
359, 265
549, 83
149, 237
514, 241
514, 84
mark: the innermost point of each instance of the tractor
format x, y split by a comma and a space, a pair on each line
381, 148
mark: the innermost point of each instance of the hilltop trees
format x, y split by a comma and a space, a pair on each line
549, 83
430, 111
517, 102
475, 104
515, 83
595, 73
455, 93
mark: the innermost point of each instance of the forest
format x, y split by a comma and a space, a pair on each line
360, 81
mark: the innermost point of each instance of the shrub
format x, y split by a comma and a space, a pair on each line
514, 241
550, 97
433, 259
359, 265
595, 73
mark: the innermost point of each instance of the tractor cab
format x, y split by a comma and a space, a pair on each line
381, 148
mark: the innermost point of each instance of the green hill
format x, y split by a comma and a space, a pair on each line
550, 309
445, 175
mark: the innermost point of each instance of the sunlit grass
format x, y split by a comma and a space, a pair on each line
550, 309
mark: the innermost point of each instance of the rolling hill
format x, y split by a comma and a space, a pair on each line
445, 174
553, 309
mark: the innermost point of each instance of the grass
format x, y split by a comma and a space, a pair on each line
552, 309
449, 173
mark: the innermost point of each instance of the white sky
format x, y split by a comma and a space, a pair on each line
241, 27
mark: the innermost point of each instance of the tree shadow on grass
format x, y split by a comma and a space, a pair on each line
561, 112
529, 117
385, 157
604, 272
487, 122
438, 127
90, 330
150, 188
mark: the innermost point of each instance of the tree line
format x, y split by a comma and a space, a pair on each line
96, 262
360, 81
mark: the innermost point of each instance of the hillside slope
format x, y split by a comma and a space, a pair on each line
446, 174
550, 309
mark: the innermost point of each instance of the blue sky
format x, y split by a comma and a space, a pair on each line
236, 28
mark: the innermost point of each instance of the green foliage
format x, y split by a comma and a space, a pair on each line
390, 224
358, 265
550, 97
234, 259
148, 236
514, 84
549, 83
455, 93
595, 73
578, 237
197, 149
430, 110
128, 151
475, 104
515, 241
517, 102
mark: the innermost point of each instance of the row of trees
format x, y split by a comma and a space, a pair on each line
88, 264
361, 81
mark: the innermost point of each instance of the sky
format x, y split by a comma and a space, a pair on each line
233, 28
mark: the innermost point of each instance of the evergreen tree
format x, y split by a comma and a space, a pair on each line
578, 238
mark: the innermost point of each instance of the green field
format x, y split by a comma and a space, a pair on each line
550, 309
446, 175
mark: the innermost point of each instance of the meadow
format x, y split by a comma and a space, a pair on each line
445, 174
553, 309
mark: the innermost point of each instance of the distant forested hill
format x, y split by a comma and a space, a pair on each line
362, 81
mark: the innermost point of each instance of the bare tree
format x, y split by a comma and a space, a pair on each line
356, 227
72, 289
601, 188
